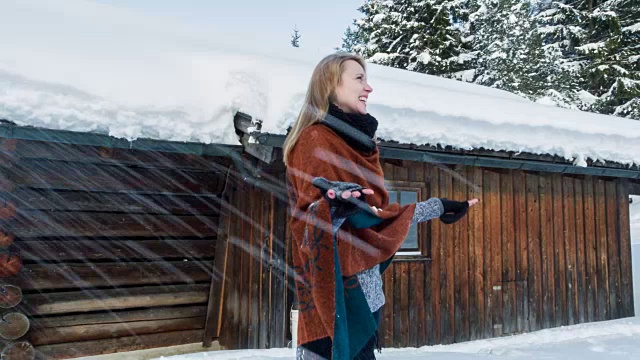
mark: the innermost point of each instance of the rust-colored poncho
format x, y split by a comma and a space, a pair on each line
321, 152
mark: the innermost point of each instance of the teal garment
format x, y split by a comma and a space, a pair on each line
363, 219
354, 322
340, 347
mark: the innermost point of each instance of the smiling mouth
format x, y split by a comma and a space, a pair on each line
363, 99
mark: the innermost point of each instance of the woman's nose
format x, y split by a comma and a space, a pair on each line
368, 88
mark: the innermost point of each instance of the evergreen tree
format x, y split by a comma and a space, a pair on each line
418, 35
614, 73
597, 42
509, 50
561, 27
601, 70
629, 13
350, 40
295, 37
579, 53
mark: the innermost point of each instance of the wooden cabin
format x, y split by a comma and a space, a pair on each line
115, 246
547, 246
115, 240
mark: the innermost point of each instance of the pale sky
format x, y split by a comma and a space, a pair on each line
321, 22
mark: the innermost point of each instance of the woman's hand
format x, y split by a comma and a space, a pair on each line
356, 194
455, 210
344, 197
332, 194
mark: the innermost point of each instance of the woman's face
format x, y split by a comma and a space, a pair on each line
353, 90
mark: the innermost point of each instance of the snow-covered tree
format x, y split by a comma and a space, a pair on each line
614, 51
562, 28
581, 54
418, 35
597, 41
295, 37
350, 40
509, 50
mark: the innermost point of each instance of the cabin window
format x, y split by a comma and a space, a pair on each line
416, 242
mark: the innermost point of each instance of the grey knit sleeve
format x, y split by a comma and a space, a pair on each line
427, 210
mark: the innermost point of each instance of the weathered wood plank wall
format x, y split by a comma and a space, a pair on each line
540, 250
117, 244
257, 291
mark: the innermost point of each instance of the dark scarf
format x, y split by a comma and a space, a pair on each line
356, 129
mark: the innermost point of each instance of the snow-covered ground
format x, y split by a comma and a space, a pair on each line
616, 339
619, 339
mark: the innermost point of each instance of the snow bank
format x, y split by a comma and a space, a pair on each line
617, 339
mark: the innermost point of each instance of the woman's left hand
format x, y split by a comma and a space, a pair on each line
455, 210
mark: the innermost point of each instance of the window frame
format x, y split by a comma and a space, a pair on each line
423, 251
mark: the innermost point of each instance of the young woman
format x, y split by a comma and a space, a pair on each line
344, 230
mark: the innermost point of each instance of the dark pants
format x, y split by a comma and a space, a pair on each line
321, 350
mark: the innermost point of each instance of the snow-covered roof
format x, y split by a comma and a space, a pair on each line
154, 81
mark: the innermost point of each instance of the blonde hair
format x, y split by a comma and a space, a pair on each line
324, 80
